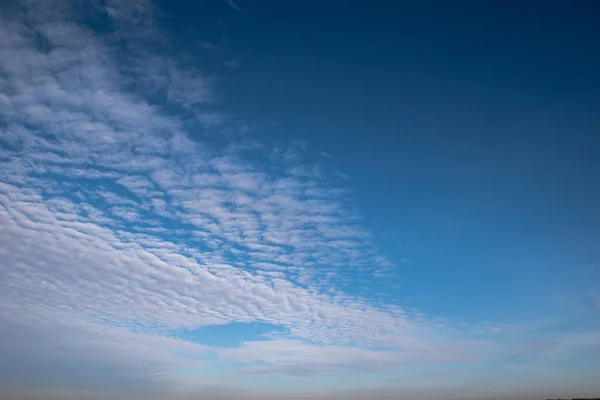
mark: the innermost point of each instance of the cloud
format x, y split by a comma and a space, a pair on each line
234, 63
208, 45
233, 5
134, 17
136, 276
297, 358
120, 229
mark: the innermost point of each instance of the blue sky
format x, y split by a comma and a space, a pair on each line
243, 200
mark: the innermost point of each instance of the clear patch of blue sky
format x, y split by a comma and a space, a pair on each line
231, 334
468, 131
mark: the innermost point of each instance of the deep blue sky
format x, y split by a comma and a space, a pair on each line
244, 199
474, 125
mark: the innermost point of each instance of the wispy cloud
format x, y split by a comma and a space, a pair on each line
233, 63
302, 359
209, 45
233, 5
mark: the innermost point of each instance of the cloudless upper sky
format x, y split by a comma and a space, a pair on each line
469, 131
297, 198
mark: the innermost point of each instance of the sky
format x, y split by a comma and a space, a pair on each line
239, 200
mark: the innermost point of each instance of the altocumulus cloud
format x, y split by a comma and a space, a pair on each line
120, 230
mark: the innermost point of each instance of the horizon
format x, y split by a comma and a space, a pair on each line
234, 200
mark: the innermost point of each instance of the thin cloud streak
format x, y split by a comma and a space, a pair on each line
233, 5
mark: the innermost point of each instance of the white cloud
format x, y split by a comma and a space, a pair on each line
233, 63
208, 45
118, 227
233, 5
298, 358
